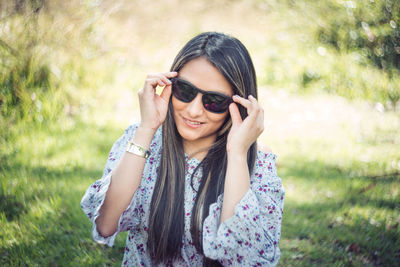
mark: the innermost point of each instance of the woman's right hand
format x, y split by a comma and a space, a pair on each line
153, 107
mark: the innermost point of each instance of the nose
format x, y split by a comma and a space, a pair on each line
195, 107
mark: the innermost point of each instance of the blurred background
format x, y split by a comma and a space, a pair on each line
329, 81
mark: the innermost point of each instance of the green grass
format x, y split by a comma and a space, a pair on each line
43, 177
339, 164
333, 199
327, 210
342, 205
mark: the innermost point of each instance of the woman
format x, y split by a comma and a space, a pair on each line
187, 181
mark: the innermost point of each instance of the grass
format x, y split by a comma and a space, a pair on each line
341, 175
339, 160
332, 218
42, 223
339, 209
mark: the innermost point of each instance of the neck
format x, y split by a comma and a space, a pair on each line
198, 148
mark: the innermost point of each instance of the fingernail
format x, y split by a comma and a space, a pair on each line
236, 96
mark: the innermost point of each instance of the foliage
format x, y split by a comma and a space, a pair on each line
342, 189
24, 71
45, 59
366, 29
370, 27
346, 48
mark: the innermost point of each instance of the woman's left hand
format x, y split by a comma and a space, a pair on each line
245, 132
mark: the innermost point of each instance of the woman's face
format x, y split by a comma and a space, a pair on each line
195, 124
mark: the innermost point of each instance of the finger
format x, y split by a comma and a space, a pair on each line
166, 93
154, 82
242, 101
158, 74
171, 74
257, 114
163, 75
254, 109
165, 80
250, 104
253, 100
149, 88
260, 120
235, 114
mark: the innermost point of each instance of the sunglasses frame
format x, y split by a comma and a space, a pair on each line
204, 93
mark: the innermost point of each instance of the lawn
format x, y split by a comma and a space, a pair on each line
337, 141
342, 195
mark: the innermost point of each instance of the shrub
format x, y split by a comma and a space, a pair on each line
44, 48
371, 27
24, 72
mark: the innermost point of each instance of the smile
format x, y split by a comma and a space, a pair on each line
192, 124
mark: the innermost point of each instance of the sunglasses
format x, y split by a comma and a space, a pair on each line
212, 101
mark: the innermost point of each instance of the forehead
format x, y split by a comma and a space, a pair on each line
201, 73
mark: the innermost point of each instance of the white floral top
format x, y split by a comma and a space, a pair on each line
249, 238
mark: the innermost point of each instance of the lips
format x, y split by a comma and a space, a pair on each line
192, 123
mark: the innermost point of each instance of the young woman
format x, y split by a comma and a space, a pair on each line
188, 181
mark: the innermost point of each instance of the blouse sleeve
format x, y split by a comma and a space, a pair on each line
96, 193
251, 236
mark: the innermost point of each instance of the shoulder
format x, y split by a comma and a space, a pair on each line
263, 148
265, 158
265, 167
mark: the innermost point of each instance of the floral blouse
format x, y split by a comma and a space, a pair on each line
249, 238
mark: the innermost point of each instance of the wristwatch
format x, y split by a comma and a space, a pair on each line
137, 150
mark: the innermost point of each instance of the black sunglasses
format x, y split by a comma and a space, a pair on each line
212, 101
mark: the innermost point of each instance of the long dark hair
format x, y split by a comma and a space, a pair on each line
166, 221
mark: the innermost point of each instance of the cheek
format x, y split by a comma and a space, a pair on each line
217, 118
178, 105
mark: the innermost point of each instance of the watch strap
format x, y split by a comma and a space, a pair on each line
138, 150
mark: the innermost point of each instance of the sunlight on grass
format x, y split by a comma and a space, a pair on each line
328, 117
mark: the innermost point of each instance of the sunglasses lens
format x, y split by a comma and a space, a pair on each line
216, 103
184, 92
212, 102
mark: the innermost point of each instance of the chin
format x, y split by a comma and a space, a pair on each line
190, 134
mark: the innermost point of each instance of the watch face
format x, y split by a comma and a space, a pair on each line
137, 150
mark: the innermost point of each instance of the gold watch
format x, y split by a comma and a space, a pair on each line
137, 150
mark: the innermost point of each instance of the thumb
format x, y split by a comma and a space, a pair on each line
235, 115
166, 93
